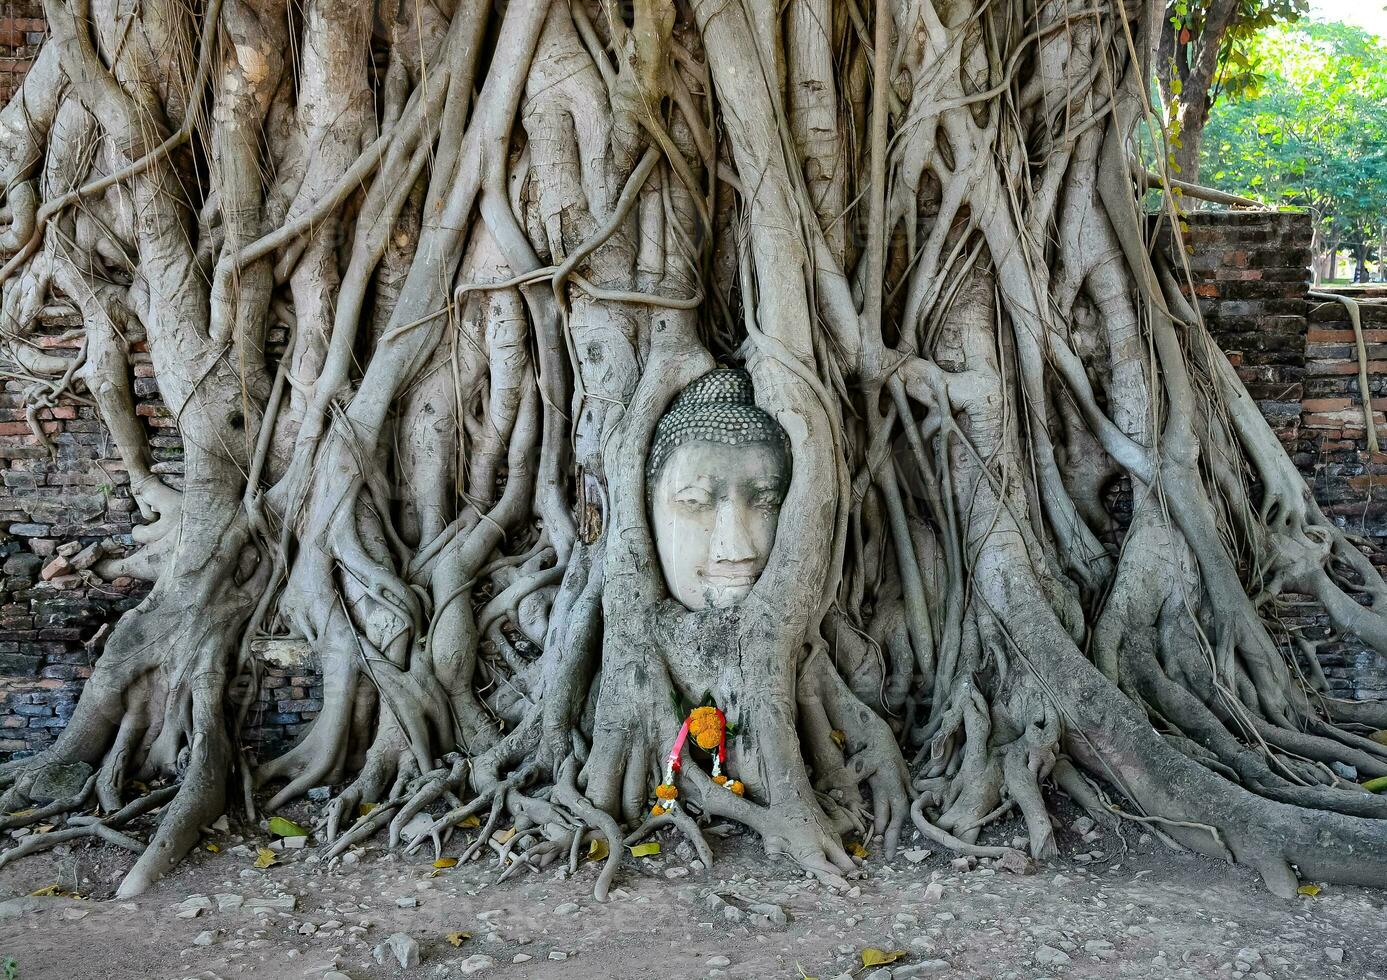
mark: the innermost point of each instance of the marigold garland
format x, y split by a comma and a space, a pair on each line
708, 725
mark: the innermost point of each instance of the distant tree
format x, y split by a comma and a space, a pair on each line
1313, 134
1204, 54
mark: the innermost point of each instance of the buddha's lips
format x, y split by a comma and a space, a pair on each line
731, 581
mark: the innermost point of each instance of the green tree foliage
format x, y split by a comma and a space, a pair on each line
1205, 55
1312, 132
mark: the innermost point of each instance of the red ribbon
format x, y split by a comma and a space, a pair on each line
679, 746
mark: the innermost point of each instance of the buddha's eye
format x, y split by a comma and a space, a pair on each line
693, 498
766, 498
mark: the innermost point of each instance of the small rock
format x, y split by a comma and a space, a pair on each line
228, 903
962, 864
475, 964
221, 825
934, 891
916, 854
335, 975
76, 913
1049, 956
567, 908
521, 958
320, 794
56, 568
417, 827
923, 969
401, 946
279, 903
295, 843
557, 955
87, 557
58, 781
717, 962
1015, 862
205, 938
1334, 954
407, 902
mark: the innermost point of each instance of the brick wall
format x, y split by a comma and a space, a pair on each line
1348, 481
1251, 271
65, 505
1298, 359
22, 29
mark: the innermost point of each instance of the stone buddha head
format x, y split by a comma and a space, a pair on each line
718, 470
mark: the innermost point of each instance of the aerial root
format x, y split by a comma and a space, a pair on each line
104, 828
25, 818
940, 836
681, 821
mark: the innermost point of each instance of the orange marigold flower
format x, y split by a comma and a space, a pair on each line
706, 727
720, 779
737, 787
666, 792
658, 811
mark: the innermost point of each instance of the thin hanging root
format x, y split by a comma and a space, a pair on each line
89, 826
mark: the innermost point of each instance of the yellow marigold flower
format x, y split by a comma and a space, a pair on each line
705, 727
737, 787
658, 811
721, 780
666, 792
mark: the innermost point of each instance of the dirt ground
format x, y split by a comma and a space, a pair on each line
1115, 905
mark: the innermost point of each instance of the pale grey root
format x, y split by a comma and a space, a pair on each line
502, 238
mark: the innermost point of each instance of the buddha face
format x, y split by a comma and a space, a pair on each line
715, 509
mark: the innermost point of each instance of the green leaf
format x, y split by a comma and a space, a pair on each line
646, 850
1377, 785
284, 827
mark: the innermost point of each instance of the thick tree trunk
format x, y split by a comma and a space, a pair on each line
1033, 531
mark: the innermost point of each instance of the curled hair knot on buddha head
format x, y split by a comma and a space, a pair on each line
720, 407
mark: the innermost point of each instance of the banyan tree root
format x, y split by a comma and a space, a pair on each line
1031, 532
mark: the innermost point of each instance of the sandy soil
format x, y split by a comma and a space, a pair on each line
1112, 906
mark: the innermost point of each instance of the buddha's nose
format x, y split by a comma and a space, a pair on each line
732, 543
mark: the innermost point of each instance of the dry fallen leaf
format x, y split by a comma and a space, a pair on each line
501, 836
264, 857
365, 808
1308, 890
471, 821
840, 737
214, 848
857, 850
645, 850
446, 863
458, 938
597, 850
871, 956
